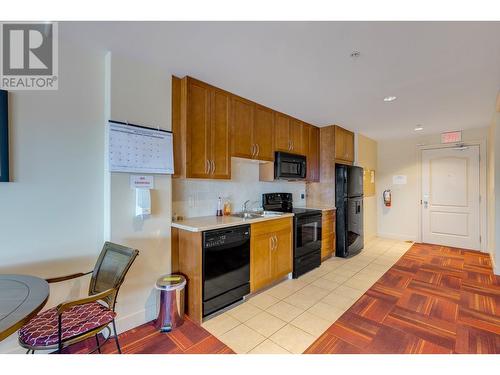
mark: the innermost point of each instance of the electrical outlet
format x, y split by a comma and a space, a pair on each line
302, 196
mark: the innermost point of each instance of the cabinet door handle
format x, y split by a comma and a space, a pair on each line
213, 167
275, 242
258, 149
253, 150
271, 243
207, 167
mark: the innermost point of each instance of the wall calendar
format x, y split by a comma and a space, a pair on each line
138, 149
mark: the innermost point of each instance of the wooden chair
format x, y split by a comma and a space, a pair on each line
75, 321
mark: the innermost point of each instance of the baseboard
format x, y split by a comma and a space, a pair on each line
396, 236
124, 323
371, 237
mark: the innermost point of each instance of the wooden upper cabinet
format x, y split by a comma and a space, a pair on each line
220, 144
263, 133
241, 128
282, 132
198, 134
289, 135
203, 132
297, 136
344, 145
176, 128
349, 146
311, 140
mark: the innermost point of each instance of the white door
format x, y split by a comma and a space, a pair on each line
450, 197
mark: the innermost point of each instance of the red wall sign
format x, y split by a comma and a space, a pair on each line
451, 137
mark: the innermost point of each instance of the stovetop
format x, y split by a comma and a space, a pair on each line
283, 202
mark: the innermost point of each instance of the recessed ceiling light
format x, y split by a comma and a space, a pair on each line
418, 128
389, 98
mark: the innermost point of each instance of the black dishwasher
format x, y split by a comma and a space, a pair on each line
226, 267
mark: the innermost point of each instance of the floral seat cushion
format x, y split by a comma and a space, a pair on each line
42, 330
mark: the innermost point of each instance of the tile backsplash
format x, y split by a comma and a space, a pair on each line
197, 197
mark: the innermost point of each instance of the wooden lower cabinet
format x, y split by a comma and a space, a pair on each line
270, 252
328, 234
187, 259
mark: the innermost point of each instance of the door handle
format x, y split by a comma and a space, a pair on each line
275, 242
253, 150
207, 166
213, 167
271, 243
258, 149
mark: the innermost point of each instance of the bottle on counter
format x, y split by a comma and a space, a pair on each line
219, 207
227, 207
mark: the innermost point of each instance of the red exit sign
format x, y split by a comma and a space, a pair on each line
451, 137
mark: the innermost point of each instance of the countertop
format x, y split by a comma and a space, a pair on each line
203, 223
319, 207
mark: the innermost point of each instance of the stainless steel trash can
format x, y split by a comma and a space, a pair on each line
171, 312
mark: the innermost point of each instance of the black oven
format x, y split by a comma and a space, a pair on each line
289, 166
307, 234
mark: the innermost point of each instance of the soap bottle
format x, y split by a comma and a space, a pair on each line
219, 207
227, 207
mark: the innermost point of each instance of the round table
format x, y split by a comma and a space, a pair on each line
21, 298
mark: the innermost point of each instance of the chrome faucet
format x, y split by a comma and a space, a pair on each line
245, 205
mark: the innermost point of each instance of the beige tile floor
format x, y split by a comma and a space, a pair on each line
291, 315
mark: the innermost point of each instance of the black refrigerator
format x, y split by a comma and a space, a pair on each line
349, 203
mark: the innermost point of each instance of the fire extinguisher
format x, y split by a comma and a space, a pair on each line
387, 198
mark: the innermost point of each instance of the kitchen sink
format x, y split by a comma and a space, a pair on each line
256, 215
271, 213
247, 215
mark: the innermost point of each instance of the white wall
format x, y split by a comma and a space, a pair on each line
495, 203
51, 220
400, 157
196, 197
140, 94
62, 204
366, 157
491, 188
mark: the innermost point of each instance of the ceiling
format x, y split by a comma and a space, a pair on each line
445, 75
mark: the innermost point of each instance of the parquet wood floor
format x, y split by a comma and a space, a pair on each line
435, 299
189, 338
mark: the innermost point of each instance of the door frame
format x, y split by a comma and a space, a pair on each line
482, 186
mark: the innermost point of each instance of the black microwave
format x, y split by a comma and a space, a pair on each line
289, 166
